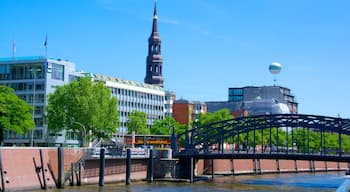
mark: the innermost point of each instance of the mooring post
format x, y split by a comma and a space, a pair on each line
191, 169
79, 174
102, 167
128, 166
2, 189
150, 166
72, 174
60, 179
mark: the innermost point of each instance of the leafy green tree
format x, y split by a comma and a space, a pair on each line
207, 118
138, 123
84, 107
164, 126
15, 114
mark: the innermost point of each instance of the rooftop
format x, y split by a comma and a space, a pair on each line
29, 58
123, 81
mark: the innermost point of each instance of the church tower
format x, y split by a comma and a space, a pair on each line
154, 59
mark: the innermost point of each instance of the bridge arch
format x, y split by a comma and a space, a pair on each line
200, 140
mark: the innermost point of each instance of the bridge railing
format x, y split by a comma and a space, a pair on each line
267, 130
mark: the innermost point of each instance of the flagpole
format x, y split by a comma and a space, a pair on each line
45, 44
13, 49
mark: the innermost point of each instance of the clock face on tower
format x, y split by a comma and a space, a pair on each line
154, 61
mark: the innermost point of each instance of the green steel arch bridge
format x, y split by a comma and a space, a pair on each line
279, 136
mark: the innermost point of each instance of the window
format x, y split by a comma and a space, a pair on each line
236, 98
235, 91
57, 72
38, 134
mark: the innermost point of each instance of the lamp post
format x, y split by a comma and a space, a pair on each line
34, 71
83, 126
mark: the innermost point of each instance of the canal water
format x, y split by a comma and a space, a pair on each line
275, 182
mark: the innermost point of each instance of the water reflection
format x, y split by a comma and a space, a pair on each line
262, 183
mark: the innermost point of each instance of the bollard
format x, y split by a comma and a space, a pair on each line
150, 166
79, 174
128, 166
60, 179
102, 167
191, 170
72, 174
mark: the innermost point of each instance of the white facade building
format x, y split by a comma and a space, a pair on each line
132, 96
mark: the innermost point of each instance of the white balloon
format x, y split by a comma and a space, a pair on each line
275, 68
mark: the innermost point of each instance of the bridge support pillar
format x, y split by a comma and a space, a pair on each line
278, 166
296, 166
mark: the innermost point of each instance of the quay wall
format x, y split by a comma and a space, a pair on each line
21, 170
256, 166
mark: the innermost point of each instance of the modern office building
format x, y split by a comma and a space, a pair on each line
132, 96
33, 78
185, 111
254, 100
253, 93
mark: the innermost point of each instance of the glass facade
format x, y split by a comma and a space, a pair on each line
32, 78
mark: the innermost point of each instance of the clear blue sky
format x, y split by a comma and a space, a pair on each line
207, 45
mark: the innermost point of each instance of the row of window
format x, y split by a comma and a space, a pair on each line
136, 94
38, 134
138, 105
29, 86
235, 98
235, 91
39, 98
21, 71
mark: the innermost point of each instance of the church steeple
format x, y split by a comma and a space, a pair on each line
154, 59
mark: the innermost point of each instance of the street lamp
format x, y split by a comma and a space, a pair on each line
83, 126
34, 71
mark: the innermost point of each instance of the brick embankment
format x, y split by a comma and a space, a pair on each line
250, 166
21, 166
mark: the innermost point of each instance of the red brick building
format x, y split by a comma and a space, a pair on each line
185, 111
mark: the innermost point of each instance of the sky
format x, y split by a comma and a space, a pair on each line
207, 45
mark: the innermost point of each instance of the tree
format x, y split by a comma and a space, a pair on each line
207, 118
203, 119
138, 123
84, 107
15, 114
165, 126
